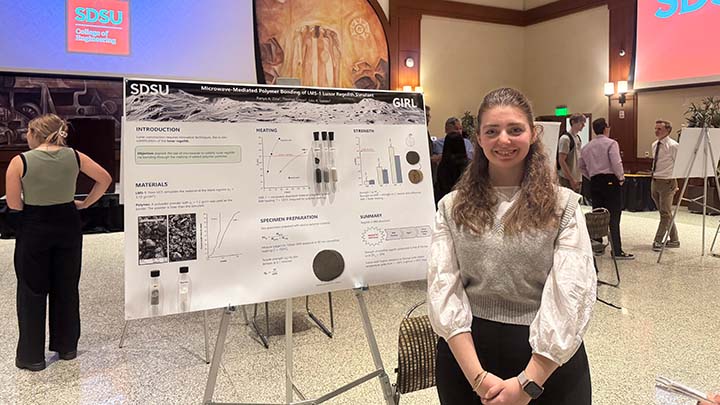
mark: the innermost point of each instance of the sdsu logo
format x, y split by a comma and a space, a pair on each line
683, 6
103, 16
98, 27
139, 89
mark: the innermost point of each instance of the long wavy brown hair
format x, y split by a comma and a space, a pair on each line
536, 207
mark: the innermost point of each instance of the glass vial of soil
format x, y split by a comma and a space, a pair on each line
184, 288
155, 293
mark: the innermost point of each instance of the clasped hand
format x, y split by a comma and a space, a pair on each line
496, 391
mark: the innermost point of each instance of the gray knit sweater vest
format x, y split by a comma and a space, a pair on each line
504, 275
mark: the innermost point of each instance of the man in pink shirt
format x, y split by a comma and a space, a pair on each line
600, 161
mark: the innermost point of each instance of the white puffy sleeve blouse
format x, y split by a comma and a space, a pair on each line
567, 298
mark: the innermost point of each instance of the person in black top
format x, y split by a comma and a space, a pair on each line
452, 164
48, 244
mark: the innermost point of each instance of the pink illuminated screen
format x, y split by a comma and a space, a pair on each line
677, 42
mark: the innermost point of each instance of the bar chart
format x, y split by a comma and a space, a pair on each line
378, 166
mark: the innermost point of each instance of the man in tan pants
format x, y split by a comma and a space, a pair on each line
663, 186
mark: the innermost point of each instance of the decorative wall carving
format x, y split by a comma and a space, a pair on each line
23, 98
323, 43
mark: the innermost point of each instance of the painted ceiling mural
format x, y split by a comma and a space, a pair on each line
325, 43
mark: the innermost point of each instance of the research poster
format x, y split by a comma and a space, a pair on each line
550, 135
691, 153
237, 194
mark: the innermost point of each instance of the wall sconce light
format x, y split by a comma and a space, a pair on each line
622, 89
409, 62
609, 89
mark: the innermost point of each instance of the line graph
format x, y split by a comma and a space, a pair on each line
224, 235
283, 161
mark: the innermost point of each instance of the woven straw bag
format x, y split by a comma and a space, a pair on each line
597, 222
417, 345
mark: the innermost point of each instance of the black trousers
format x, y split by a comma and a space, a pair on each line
48, 252
606, 192
504, 350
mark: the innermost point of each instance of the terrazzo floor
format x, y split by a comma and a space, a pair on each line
669, 325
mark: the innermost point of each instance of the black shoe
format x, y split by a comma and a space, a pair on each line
657, 246
624, 256
67, 355
672, 244
30, 366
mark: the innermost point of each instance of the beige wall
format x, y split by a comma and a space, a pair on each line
567, 63
534, 59
536, 3
462, 60
668, 105
561, 61
512, 4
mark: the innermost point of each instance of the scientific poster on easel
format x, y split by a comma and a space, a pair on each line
550, 136
690, 140
239, 194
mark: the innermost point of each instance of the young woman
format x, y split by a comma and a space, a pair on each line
511, 282
48, 244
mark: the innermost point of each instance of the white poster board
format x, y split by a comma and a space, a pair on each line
550, 135
688, 140
260, 193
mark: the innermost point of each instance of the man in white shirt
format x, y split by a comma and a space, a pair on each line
569, 146
663, 186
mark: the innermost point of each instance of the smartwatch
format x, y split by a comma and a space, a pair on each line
529, 386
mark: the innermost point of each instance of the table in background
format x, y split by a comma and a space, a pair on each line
636, 193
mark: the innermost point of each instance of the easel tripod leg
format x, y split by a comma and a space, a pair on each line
372, 342
288, 351
207, 343
714, 240
329, 332
717, 189
263, 337
122, 336
217, 355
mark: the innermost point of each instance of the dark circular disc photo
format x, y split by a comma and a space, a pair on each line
412, 157
328, 265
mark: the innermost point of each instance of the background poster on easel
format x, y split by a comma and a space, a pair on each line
239, 194
688, 140
550, 135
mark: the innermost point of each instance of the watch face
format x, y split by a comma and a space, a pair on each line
533, 389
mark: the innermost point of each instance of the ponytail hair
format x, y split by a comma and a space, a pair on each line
50, 129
